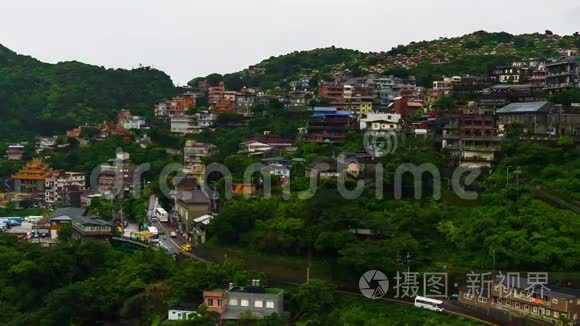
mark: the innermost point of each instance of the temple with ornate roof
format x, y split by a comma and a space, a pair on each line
31, 177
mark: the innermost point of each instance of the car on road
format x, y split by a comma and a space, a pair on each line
173, 234
186, 248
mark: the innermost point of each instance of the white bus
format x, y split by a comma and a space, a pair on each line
161, 215
154, 234
428, 303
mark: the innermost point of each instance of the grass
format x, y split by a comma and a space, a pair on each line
281, 269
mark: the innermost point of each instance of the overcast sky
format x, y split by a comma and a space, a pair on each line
194, 38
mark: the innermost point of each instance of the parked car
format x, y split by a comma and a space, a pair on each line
173, 234
186, 248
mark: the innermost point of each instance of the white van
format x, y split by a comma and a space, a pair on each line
161, 215
428, 303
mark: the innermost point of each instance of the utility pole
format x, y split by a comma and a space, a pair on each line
493, 258
308, 266
408, 262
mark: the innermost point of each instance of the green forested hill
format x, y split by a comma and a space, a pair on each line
40, 98
475, 53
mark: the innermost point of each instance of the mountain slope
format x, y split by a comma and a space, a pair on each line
40, 98
474, 53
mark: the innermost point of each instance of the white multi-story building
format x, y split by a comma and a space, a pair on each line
380, 122
45, 143
134, 122
204, 119
183, 124
59, 186
193, 155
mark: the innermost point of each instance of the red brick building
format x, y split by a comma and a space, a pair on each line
334, 92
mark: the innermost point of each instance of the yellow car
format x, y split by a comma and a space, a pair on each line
186, 248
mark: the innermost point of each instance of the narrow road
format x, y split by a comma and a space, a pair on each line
538, 191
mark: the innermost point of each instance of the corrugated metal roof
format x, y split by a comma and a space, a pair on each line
525, 107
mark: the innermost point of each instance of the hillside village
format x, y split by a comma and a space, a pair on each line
516, 123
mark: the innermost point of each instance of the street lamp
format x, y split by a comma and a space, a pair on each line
508, 176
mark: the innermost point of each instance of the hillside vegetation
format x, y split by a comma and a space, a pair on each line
475, 53
40, 98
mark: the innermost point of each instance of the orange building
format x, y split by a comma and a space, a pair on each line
223, 106
215, 300
31, 177
244, 189
216, 93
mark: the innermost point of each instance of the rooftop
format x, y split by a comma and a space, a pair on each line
526, 107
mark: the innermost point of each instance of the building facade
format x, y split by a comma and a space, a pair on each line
563, 75
518, 295
231, 303
31, 177
64, 188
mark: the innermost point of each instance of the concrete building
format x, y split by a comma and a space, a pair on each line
333, 92
536, 117
260, 145
471, 139
176, 106
232, 302
15, 152
84, 227
199, 228
45, 143
518, 295
216, 93
117, 175
380, 122
64, 188
183, 124
328, 125
193, 155
134, 122
190, 203
563, 75
182, 312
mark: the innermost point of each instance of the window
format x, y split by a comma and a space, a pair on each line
244, 303
220, 302
233, 302
258, 304
498, 300
556, 314
547, 312
517, 304
508, 303
526, 307
554, 301
270, 304
482, 299
535, 310
209, 302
